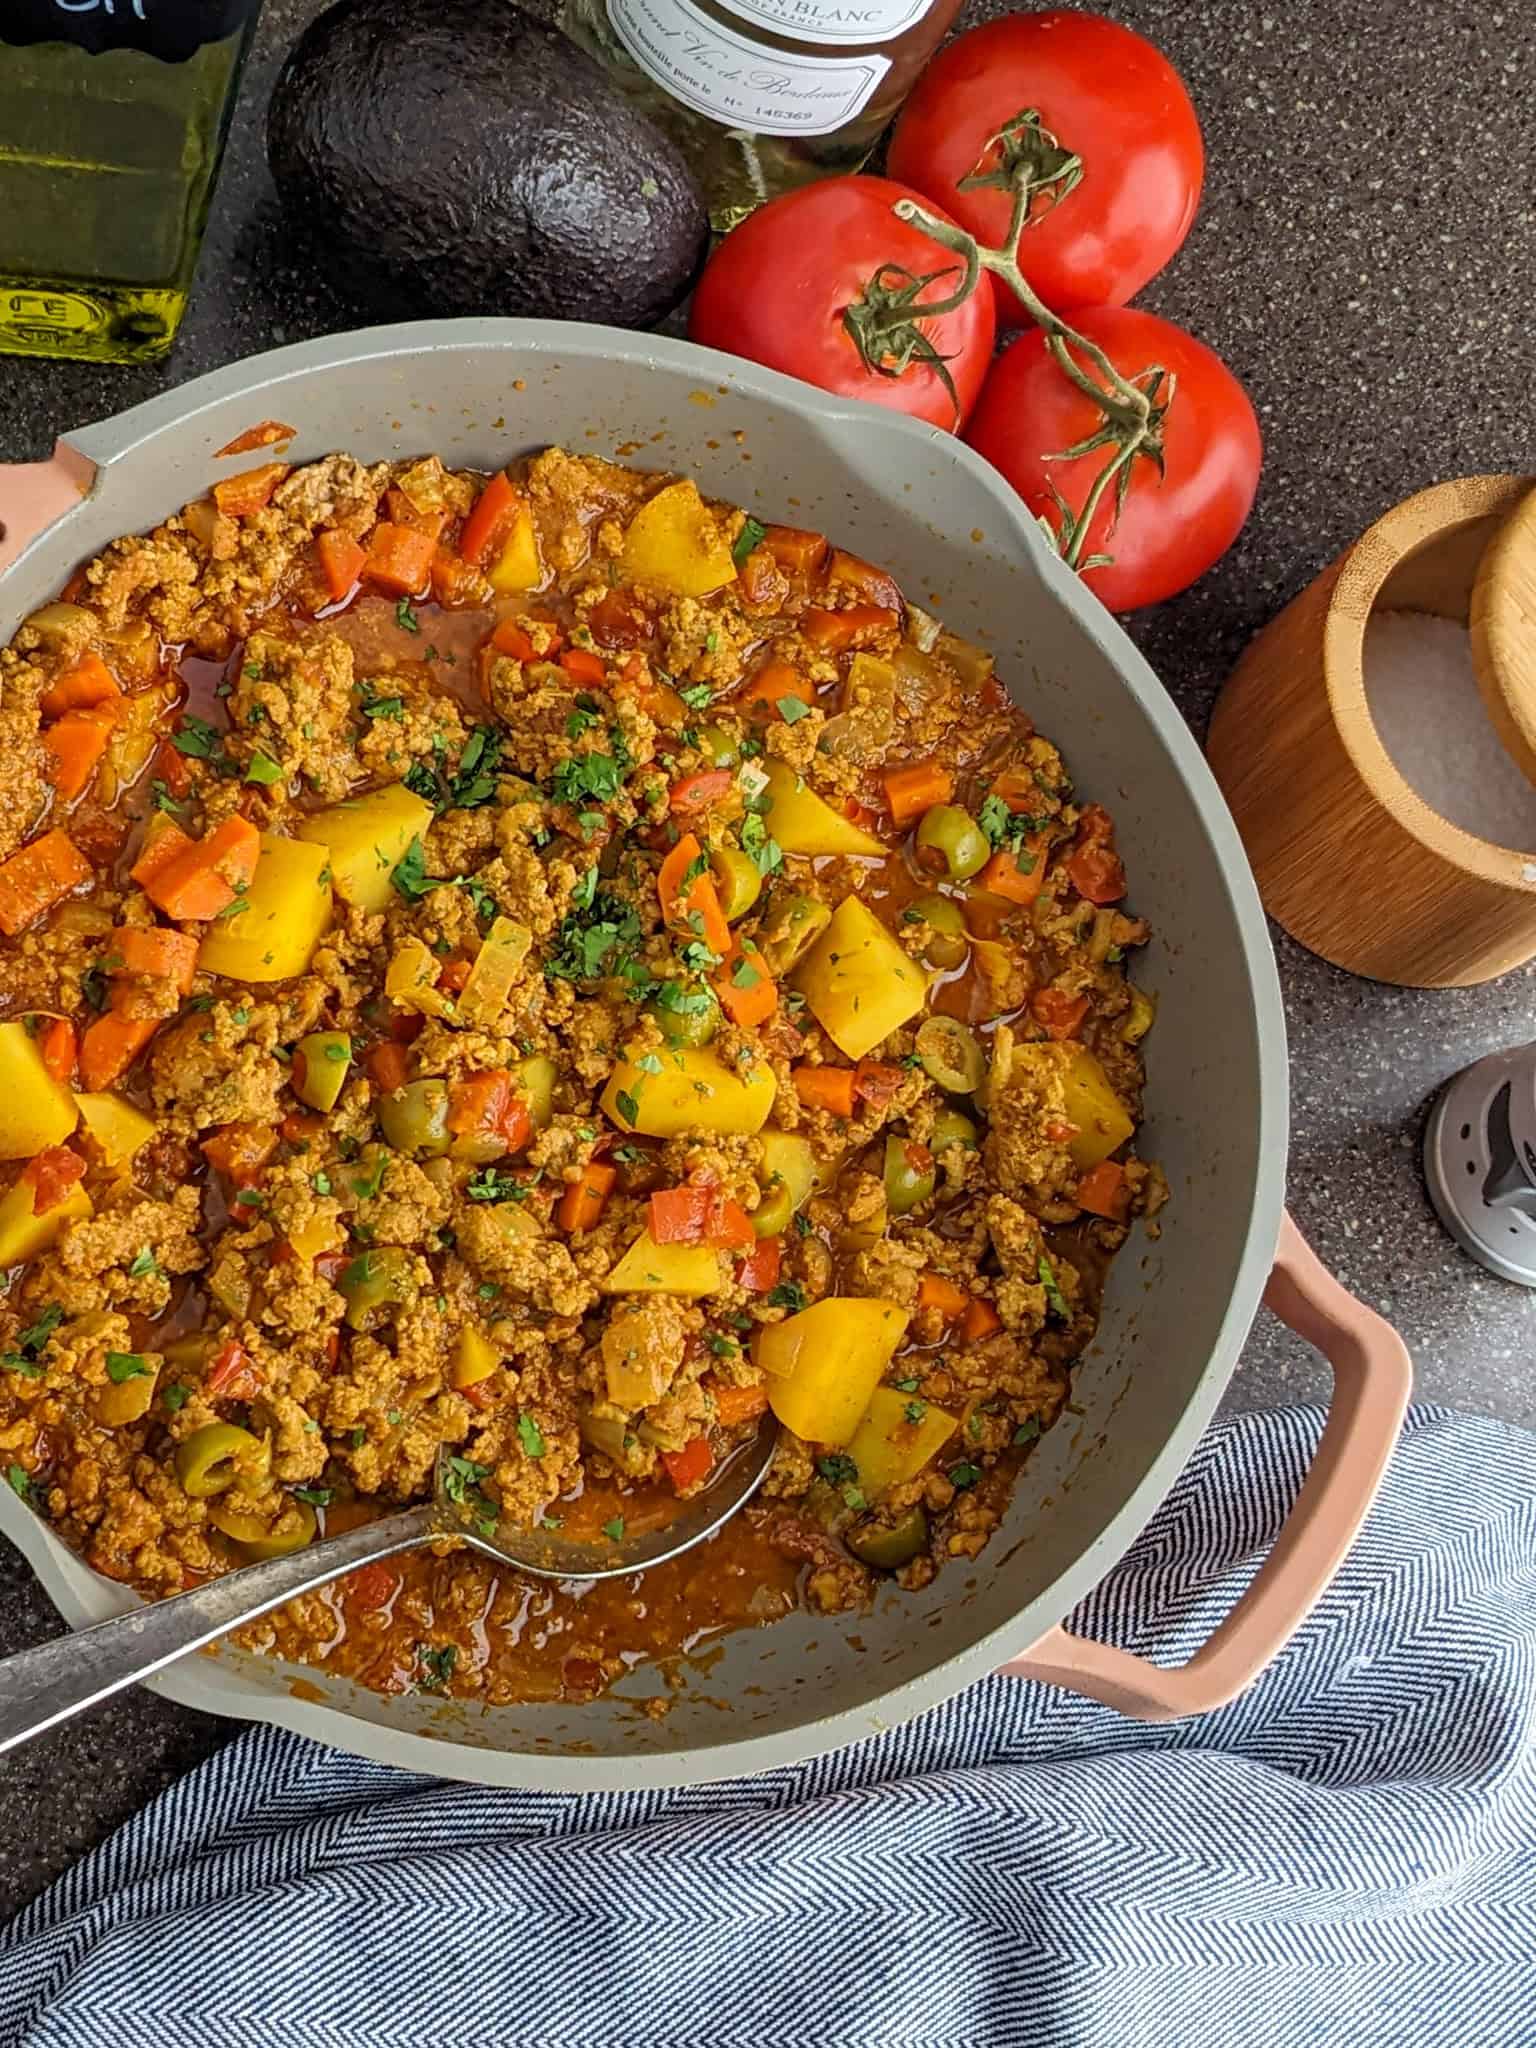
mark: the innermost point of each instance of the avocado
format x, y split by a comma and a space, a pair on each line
454, 156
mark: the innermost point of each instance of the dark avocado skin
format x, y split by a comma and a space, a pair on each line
455, 157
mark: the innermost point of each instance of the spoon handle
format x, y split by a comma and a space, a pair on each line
47, 1684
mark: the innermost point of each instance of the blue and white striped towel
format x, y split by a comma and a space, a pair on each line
1345, 1856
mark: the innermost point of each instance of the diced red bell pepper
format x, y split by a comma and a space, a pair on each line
51, 1175
689, 1466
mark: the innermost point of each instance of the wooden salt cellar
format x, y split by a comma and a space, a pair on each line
1348, 857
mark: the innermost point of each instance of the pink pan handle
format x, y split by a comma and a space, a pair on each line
34, 494
1372, 1377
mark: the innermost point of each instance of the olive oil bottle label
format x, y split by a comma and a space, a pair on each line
169, 29
741, 84
851, 22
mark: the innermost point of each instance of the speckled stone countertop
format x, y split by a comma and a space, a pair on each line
1365, 259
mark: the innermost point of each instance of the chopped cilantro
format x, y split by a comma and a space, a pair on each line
18, 1481
909, 1385
312, 1496
594, 775
462, 1476
764, 853
435, 1666
175, 1396
93, 986
143, 1265
614, 1530
530, 1436
579, 721
384, 707
490, 1185
1027, 1430
746, 975
321, 1183
787, 1294
1056, 1301
914, 1411
627, 1106
197, 738
409, 874
792, 709
162, 799
752, 531
698, 696
964, 1475
838, 1469
405, 617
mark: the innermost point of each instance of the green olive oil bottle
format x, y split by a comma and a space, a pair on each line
113, 115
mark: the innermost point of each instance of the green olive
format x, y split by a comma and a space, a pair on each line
909, 1174
773, 1214
793, 926
951, 1054
889, 1545
415, 1119
686, 1016
737, 878
377, 1279
951, 838
948, 940
293, 1529
951, 1128
209, 1460
320, 1063
717, 746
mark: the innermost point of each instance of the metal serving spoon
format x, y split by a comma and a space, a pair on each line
43, 1686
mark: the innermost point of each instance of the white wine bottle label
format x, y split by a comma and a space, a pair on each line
738, 83
860, 22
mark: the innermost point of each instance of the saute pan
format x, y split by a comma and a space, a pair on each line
1179, 1305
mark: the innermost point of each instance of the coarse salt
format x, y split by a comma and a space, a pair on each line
1421, 690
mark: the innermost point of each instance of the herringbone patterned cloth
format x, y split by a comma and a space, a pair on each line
1346, 1856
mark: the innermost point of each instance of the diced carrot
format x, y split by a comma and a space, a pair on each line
89, 683
56, 1043
399, 559
1057, 1012
876, 1081
745, 985
404, 511
735, 1405
692, 905
583, 666
156, 955
698, 792
374, 1586
861, 814
342, 557
581, 1206
1094, 868
232, 1376
238, 496
836, 630
490, 519
681, 1215
264, 436
689, 1466
1102, 1191
299, 1126
1018, 789
388, 1067
456, 583
979, 1321
829, 1088
172, 768
915, 788
511, 638
871, 585
51, 1175
202, 882
775, 683
164, 841
74, 745
797, 552
935, 1291
759, 1270
38, 876
730, 1227
454, 975
111, 1045
240, 1152
1019, 877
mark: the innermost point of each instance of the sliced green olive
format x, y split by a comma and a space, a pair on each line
889, 1545
774, 1213
951, 1128
377, 1279
257, 1537
951, 838
737, 878
909, 1174
717, 746
1139, 1018
415, 1119
320, 1063
536, 1079
687, 1016
951, 1054
948, 939
209, 1460
793, 926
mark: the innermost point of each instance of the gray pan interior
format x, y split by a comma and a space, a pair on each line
1179, 1307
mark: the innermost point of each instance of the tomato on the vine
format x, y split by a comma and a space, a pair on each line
1175, 521
828, 285
1116, 153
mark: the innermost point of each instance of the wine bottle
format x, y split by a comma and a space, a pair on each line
763, 95
113, 115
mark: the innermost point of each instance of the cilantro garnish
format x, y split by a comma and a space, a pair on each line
752, 531
405, 617
787, 1294
1056, 1301
530, 1436
409, 873
125, 1365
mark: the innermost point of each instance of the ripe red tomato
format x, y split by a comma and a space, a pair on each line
778, 287
1109, 98
1174, 525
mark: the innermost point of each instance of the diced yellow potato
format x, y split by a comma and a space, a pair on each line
800, 820
35, 1110
316, 1234
825, 1363
635, 1375
410, 981
518, 567
23, 1233
120, 1402
475, 1357
652, 1268
694, 1091
287, 911
858, 982
321, 1063
790, 1160
889, 1447
1092, 1104
673, 543
366, 837
133, 742
497, 966
536, 1082
117, 1127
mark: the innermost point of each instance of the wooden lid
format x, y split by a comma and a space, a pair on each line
1503, 623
